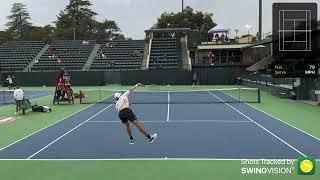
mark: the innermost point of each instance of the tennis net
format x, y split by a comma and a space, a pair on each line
230, 95
6, 97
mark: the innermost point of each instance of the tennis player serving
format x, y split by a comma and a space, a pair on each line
126, 115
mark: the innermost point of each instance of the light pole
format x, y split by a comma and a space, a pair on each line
236, 30
249, 27
260, 20
182, 3
74, 34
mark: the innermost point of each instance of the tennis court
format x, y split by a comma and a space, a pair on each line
207, 124
6, 96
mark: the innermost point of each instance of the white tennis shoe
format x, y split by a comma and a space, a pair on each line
153, 137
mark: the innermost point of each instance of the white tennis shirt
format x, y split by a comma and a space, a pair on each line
18, 94
124, 98
9, 79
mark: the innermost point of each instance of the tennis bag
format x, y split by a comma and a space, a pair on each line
36, 108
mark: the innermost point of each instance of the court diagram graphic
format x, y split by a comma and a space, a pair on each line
295, 30
293, 26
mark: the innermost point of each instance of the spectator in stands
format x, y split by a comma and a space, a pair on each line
216, 36
108, 64
173, 35
98, 55
10, 82
155, 60
222, 38
164, 57
53, 57
211, 58
195, 80
50, 50
226, 39
113, 63
85, 42
18, 97
103, 56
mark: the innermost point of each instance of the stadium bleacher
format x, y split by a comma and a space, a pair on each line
69, 54
74, 54
16, 55
119, 55
164, 54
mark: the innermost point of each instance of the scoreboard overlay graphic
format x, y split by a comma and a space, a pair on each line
295, 40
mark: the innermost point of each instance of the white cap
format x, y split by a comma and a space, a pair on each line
117, 95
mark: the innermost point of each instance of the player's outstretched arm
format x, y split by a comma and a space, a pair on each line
135, 87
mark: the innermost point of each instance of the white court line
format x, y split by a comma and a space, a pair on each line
45, 127
152, 159
283, 141
179, 121
69, 131
168, 111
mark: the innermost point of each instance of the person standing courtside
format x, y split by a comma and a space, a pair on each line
195, 80
18, 97
10, 82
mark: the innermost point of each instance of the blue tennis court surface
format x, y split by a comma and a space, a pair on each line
6, 97
208, 131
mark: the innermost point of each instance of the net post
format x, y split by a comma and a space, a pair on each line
4, 96
81, 96
239, 95
100, 95
259, 96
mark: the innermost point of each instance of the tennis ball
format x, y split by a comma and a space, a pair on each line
306, 166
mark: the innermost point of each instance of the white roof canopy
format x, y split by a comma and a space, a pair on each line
218, 29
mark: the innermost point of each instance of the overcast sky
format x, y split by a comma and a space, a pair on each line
135, 16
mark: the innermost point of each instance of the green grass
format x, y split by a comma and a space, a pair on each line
137, 170
300, 115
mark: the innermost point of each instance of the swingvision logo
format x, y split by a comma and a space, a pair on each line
306, 166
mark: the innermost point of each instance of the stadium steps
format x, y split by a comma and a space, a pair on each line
92, 57
185, 59
261, 64
30, 65
146, 55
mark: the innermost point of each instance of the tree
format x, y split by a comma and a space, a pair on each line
45, 33
79, 17
18, 24
186, 19
74, 14
5, 36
